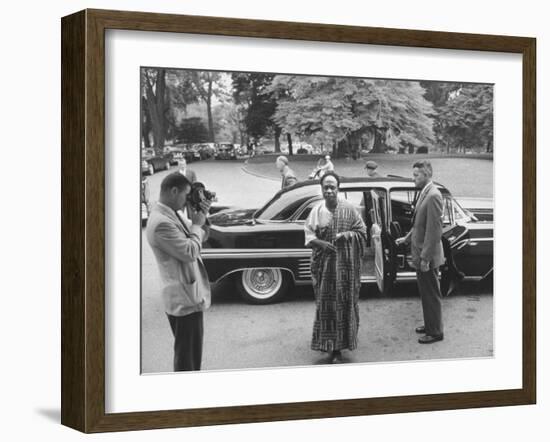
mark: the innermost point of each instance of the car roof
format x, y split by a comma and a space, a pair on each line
387, 182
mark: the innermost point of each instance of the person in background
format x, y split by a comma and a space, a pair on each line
427, 250
327, 167
324, 165
186, 172
338, 237
371, 167
287, 174
177, 245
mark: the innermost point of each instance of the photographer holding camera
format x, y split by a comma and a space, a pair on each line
176, 245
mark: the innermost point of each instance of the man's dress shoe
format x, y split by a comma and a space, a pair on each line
428, 339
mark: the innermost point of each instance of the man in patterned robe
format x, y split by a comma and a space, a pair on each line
338, 237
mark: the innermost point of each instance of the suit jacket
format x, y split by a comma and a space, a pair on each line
185, 285
427, 229
289, 178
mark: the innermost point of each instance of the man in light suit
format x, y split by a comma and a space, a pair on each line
427, 250
287, 174
176, 245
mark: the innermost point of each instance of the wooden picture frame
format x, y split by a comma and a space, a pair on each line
83, 220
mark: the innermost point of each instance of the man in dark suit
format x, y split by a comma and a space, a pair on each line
427, 250
177, 245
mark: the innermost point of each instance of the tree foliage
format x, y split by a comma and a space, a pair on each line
191, 130
344, 114
251, 92
206, 85
330, 110
466, 119
463, 117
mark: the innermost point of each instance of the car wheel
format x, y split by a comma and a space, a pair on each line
151, 169
262, 285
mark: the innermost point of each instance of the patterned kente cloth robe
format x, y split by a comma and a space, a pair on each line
336, 276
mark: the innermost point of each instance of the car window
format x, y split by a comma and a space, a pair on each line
302, 216
447, 211
362, 205
402, 207
284, 204
458, 212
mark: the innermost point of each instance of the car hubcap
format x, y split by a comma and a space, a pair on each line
262, 283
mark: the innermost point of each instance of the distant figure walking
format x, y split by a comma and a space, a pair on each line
287, 174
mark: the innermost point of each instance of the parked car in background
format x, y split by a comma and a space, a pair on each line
197, 151
146, 168
226, 151
156, 161
181, 151
208, 150
263, 253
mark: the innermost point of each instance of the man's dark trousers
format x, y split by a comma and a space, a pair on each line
430, 294
188, 335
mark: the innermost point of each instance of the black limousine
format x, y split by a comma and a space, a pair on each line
262, 250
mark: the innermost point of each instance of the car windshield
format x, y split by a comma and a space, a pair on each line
283, 205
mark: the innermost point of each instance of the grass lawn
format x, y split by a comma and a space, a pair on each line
463, 176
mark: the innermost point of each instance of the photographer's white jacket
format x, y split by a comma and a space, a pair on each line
177, 248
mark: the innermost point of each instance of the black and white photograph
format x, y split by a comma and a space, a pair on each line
303, 220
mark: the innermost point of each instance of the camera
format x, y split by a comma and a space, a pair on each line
199, 194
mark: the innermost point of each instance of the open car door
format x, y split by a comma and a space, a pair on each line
376, 241
455, 237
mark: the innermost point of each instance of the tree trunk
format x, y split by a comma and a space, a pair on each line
289, 140
145, 123
209, 111
155, 104
378, 145
277, 141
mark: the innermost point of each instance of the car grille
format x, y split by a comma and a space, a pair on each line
304, 268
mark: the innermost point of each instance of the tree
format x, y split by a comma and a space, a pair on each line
467, 118
339, 112
146, 124
191, 130
229, 126
252, 91
154, 86
206, 86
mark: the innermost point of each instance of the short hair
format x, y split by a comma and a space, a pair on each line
283, 159
426, 166
332, 174
175, 179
